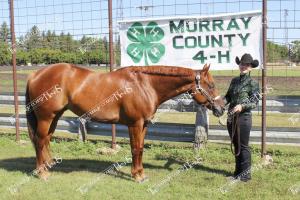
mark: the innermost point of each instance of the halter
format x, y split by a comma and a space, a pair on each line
203, 91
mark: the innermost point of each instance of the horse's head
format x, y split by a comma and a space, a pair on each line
205, 92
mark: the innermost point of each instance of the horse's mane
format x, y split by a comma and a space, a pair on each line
160, 70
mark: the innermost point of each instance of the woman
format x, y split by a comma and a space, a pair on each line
242, 96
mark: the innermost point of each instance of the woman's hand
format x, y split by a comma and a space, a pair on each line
238, 108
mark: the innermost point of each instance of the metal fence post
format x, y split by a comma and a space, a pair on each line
264, 79
111, 61
14, 61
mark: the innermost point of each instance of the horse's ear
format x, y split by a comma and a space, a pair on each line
206, 68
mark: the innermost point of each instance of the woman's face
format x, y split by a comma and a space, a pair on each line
245, 68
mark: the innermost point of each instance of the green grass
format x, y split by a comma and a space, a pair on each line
21, 71
273, 119
271, 72
7, 85
82, 165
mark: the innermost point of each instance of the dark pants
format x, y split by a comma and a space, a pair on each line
243, 160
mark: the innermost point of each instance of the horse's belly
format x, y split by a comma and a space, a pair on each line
107, 117
96, 113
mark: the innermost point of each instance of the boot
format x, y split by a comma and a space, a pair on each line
237, 170
245, 164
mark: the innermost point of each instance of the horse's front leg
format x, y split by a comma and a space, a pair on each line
137, 135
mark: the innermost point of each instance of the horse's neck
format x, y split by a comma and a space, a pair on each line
166, 90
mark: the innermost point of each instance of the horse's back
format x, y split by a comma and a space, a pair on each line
57, 70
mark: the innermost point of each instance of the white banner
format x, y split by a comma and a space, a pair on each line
192, 41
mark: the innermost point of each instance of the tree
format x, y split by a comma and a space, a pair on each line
33, 39
67, 43
4, 33
5, 54
49, 56
35, 56
105, 50
47, 47
276, 52
295, 51
105, 42
22, 57
95, 57
117, 52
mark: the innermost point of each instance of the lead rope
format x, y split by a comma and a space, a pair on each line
235, 130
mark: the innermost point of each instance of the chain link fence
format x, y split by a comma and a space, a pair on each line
76, 31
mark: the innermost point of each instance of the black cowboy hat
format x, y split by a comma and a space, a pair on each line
247, 59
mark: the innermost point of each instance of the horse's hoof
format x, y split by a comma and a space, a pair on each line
142, 179
137, 178
145, 179
44, 176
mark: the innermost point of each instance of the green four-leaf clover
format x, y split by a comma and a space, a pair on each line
145, 42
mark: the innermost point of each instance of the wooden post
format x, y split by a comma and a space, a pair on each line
201, 126
82, 130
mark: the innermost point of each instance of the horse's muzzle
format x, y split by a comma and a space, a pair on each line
218, 111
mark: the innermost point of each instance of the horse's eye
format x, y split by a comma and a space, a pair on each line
211, 86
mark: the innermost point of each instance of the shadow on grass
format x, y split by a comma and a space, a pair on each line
171, 161
27, 165
213, 170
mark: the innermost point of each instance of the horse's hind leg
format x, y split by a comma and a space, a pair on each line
50, 133
42, 141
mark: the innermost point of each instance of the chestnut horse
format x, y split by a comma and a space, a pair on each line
128, 96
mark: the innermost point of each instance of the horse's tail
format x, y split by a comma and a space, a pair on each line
30, 116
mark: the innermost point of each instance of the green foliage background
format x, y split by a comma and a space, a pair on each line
47, 47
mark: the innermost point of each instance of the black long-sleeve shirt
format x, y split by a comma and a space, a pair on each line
245, 91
